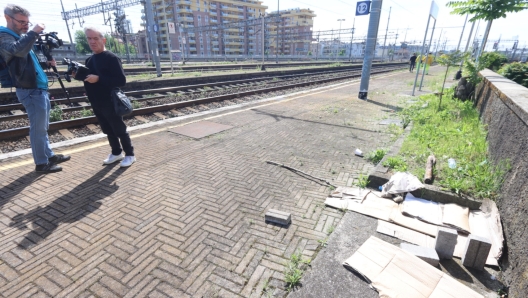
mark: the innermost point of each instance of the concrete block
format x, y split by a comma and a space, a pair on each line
445, 242
278, 217
426, 254
476, 252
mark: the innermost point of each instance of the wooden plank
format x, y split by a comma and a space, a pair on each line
141, 119
93, 128
160, 115
67, 134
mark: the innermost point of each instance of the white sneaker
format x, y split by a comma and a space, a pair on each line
113, 158
128, 161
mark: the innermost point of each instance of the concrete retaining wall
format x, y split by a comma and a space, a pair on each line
503, 106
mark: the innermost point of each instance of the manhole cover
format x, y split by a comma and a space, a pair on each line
391, 121
200, 129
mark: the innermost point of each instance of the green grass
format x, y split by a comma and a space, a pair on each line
453, 132
397, 163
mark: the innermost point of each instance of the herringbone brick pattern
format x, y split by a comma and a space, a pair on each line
187, 219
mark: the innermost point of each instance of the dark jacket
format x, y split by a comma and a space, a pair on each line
16, 54
111, 75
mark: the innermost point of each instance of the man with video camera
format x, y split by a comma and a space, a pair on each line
16, 43
106, 73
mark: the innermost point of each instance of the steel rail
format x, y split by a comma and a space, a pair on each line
24, 131
19, 106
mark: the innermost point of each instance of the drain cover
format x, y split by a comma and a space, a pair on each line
200, 129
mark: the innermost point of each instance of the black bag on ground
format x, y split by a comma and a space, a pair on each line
122, 104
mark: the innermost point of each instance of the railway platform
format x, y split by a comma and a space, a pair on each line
187, 219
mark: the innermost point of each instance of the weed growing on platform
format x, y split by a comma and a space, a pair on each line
295, 268
330, 229
395, 131
453, 132
396, 163
56, 114
362, 181
376, 155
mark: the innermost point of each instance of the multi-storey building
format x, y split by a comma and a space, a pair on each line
295, 28
295, 32
196, 13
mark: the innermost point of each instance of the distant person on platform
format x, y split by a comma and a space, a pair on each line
106, 73
428, 60
413, 62
16, 44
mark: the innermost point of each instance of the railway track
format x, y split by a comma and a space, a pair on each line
162, 103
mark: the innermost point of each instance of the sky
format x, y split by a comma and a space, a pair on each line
408, 18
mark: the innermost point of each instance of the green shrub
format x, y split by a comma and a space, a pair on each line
56, 114
517, 72
86, 113
376, 155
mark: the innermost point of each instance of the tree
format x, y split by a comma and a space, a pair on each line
448, 60
487, 10
81, 43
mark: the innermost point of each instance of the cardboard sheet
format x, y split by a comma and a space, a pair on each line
456, 217
421, 239
372, 205
424, 210
396, 273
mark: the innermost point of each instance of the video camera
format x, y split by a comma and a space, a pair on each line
47, 42
80, 70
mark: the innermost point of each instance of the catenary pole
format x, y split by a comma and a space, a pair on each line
372, 36
68, 27
352, 40
278, 26
386, 32
427, 54
152, 36
462, 34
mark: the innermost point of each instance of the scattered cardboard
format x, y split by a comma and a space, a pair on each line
457, 217
421, 239
396, 273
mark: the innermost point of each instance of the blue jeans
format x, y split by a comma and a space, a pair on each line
37, 105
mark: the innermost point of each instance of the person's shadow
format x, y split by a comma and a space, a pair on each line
9, 191
84, 199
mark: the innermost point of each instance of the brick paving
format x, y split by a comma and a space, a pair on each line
187, 219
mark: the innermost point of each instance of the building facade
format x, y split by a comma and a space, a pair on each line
197, 35
294, 32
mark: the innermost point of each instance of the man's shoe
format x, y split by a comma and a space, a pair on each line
128, 161
113, 158
48, 168
58, 158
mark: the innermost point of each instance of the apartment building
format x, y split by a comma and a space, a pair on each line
197, 13
295, 32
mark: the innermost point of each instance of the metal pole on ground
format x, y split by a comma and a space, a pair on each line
372, 36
